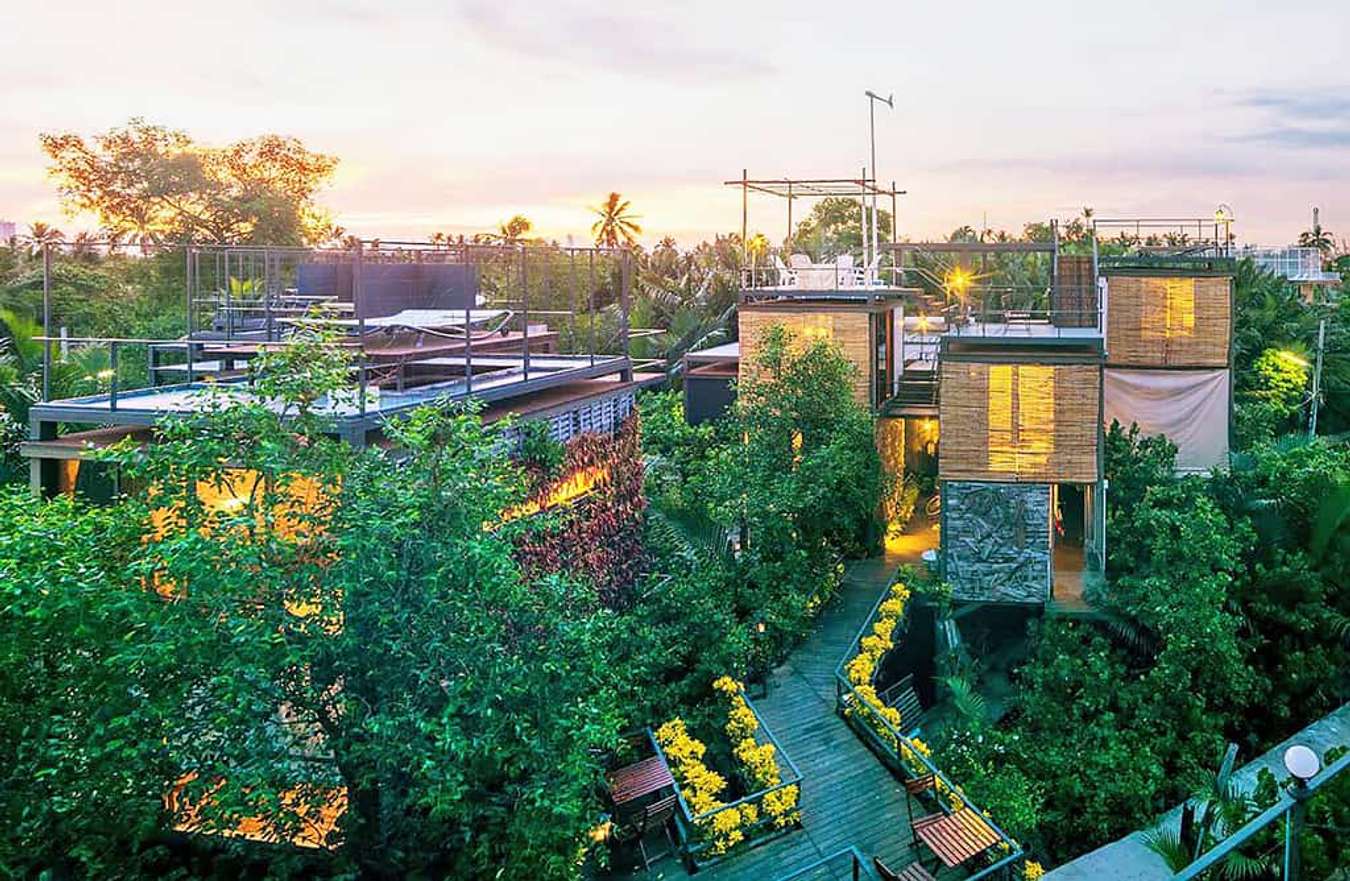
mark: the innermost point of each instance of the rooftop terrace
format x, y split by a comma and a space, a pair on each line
422, 323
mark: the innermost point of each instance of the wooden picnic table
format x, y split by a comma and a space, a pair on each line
955, 837
639, 779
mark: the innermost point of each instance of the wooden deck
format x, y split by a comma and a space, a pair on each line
848, 797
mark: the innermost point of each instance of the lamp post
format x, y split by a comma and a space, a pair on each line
1303, 765
889, 101
760, 672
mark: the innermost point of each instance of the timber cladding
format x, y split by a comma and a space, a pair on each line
1168, 321
849, 328
1019, 422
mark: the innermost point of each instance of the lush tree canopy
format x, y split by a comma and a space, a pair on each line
160, 185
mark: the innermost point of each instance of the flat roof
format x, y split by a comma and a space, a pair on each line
724, 352
509, 381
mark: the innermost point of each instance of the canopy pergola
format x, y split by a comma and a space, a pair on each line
860, 187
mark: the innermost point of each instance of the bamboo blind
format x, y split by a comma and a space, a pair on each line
847, 328
1168, 321
1019, 422
890, 433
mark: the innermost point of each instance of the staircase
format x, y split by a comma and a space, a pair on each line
916, 389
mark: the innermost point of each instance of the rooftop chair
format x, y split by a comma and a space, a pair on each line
867, 275
787, 278
845, 275
654, 817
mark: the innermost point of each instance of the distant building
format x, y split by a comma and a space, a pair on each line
1300, 266
8, 230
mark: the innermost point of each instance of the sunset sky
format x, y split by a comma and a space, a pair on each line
453, 115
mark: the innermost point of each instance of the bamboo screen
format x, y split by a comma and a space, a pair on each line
1019, 422
1168, 321
847, 328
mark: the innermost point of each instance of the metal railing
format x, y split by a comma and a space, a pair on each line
238, 297
816, 277
900, 754
691, 827
1289, 807
847, 863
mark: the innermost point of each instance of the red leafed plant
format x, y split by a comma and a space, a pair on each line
599, 537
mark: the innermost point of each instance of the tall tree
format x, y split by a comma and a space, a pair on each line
617, 224
161, 184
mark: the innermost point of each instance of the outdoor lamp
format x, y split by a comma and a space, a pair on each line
1301, 763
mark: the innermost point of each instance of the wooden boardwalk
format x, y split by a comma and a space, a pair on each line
848, 797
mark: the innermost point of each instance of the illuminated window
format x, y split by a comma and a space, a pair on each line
1179, 309
817, 327
1021, 417
1168, 310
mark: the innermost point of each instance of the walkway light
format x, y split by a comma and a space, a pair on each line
958, 280
1302, 763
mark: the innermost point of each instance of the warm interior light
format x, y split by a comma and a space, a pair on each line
1168, 310
1180, 307
1021, 417
567, 490
319, 809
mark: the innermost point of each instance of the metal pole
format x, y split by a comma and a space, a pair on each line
1317, 377
872, 134
745, 214
468, 343
788, 240
46, 321
626, 280
862, 221
590, 302
190, 282
229, 313
1293, 827
112, 368
525, 310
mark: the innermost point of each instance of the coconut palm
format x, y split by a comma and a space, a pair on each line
1318, 238
41, 234
616, 224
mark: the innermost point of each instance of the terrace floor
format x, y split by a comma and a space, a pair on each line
848, 797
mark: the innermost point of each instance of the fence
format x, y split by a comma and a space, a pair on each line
1289, 807
847, 863
901, 754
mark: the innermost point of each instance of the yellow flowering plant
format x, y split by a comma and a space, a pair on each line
1032, 871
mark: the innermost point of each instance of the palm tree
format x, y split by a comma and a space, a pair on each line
616, 224
513, 230
1317, 237
41, 234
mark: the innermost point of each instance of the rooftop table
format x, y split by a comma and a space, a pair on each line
638, 780
956, 837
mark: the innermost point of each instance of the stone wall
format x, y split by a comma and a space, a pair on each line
996, 541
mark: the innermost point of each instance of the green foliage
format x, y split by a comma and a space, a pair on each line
1209, 634
834, 227
788, 508
82, 766
347, 623
1272, 396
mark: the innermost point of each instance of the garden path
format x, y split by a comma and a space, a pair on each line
848, 797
